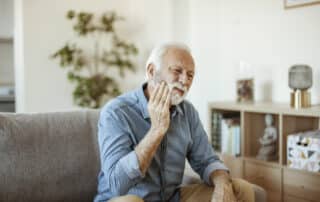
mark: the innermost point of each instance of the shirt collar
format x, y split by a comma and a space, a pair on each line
144, 104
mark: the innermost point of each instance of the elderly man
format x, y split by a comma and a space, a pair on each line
146, 135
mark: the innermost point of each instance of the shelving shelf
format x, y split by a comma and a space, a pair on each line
6, 40
282, 183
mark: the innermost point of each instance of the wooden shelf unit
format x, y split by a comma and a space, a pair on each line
281, 183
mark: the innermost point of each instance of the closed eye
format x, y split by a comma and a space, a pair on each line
190, 74
177, 71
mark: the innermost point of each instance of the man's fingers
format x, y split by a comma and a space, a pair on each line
154, 92
167, 98
159, 94
164, 95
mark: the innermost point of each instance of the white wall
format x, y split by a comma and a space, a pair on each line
263, 33
180, 20
42, 85
220, 32
19, 67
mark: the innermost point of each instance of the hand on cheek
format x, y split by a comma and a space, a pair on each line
158, 107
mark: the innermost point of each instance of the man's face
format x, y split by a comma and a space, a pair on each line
178, 72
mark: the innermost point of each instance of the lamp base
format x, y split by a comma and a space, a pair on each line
300, 99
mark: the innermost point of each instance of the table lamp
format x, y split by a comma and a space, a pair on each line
300, 80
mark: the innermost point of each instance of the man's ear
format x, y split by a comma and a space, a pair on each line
151, 70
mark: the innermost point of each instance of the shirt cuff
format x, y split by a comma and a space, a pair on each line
211, 168
130, 165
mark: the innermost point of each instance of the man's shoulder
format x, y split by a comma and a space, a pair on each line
188, 107
121, 103
190, 111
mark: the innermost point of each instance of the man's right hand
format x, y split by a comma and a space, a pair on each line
159, 108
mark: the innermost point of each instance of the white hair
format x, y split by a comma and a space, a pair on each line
157, 53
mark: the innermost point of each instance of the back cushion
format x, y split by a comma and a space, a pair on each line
49, 156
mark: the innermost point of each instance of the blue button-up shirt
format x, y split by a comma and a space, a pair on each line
123, 123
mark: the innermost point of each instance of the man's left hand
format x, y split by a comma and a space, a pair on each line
223, 193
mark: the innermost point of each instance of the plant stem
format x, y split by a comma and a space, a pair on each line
96, 57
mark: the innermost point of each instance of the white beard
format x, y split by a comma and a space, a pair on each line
176, 98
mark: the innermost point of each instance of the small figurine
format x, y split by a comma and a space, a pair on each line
268, 149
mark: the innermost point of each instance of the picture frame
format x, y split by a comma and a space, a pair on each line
288, 4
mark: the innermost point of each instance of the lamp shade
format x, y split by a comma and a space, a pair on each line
300, 77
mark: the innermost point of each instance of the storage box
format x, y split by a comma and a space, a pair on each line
303, 151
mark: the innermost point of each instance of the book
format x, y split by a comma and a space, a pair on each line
216, 130
230, 135
225, 132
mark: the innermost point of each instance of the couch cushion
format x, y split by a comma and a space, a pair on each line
49, 156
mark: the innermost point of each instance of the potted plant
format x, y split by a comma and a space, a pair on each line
91, 70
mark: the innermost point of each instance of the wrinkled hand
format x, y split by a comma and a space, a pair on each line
223, 193
158, 107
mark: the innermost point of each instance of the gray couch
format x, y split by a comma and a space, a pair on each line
53, 157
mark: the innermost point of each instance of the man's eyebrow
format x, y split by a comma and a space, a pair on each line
172, 66
180, 67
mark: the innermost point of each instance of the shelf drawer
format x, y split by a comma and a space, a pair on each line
301, 184
265, 176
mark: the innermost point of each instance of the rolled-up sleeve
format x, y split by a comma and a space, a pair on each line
201, 156
119, 161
